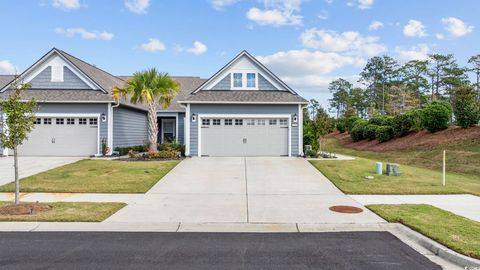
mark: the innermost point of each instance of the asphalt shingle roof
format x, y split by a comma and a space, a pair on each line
244, 96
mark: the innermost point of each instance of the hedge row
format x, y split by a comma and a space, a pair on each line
434, 117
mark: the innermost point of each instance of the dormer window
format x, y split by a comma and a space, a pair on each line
244, 81
237, 80
57, 73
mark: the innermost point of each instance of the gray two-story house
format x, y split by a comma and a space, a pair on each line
242, 110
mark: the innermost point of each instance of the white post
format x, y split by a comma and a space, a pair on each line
444, 167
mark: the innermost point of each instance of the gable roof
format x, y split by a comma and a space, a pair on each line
254, 60
243, 96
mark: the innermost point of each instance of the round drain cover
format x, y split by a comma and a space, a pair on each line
345, 209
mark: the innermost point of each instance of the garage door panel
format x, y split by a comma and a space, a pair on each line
56, 139
248, 137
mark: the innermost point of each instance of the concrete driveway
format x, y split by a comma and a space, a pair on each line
240, 190
30, 166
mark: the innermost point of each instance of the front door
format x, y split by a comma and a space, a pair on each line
168, 131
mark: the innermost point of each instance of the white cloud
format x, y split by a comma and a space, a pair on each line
84, 34
349, 42
66, 4
418, 52
307, 69
153, 45
414, 28
137, 6
440, 36
456, 27
7, 68
375, 25
365, 4
277, 13
198, 48
323, 15
221, 4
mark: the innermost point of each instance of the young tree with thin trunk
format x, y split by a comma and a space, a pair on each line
17, 124
151, 88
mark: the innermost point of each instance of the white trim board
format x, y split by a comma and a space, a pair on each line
240, 102
236, 116
187, 130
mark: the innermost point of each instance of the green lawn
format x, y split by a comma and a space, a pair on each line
462, 156
69, 212
458, 233
97, 176
349, 176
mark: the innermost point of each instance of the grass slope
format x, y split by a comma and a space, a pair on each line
349, 176
458, 233
96, 176
69, 212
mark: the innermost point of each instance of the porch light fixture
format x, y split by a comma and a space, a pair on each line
295, 118
104, 117
194, 118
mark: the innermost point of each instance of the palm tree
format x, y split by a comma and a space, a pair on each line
151, 88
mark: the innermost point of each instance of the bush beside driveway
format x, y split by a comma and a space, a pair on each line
96, 176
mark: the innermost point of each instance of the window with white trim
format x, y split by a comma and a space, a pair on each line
261, 122
216, 122
251, 122
38, 121
205, 122
251, 80
82, 121
237, 80
57, 73
283, 122
93, 121
47, 121
59, 121
238, 122
228, 122
272, 122
70, 121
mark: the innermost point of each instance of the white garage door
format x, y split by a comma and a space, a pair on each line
62, 136
244, 137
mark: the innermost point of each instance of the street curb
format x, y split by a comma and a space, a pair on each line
437, 248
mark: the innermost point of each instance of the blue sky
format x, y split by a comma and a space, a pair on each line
306, 42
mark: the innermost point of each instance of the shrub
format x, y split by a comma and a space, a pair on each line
172, 147
357, 131
435, 117
401, 124
163, 154
369, 132
384, 133
137, 148
443, 103
311, 153
376, 120
467, 109
351, 122
342, 124
416, 116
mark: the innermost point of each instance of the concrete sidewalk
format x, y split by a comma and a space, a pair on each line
465, 205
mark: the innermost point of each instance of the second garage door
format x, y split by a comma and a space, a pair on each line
244, 137
62, 136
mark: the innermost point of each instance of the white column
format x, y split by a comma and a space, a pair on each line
110, 129
300, 130
187, 130
176, 127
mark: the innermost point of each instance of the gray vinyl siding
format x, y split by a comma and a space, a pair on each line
264, 84
181, 128
79, 108
224, 84
70, 80
130, 127
241, 109
1, 130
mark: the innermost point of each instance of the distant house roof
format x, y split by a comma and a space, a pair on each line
243, 96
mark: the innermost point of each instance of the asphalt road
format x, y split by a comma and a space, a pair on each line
110, 250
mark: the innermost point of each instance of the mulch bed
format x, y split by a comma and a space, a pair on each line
417, 140
345, 209
24, 209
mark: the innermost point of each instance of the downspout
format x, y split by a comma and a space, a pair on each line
186, 129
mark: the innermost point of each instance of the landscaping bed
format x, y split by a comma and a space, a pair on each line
453, 231
58, 211
96, 176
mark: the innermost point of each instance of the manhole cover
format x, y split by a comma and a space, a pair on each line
345, 209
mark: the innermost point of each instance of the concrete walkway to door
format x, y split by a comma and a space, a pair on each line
242, 190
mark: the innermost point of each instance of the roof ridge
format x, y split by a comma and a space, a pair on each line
91, 65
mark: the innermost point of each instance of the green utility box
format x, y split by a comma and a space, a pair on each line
393, 169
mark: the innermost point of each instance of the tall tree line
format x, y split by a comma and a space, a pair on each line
391, 88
